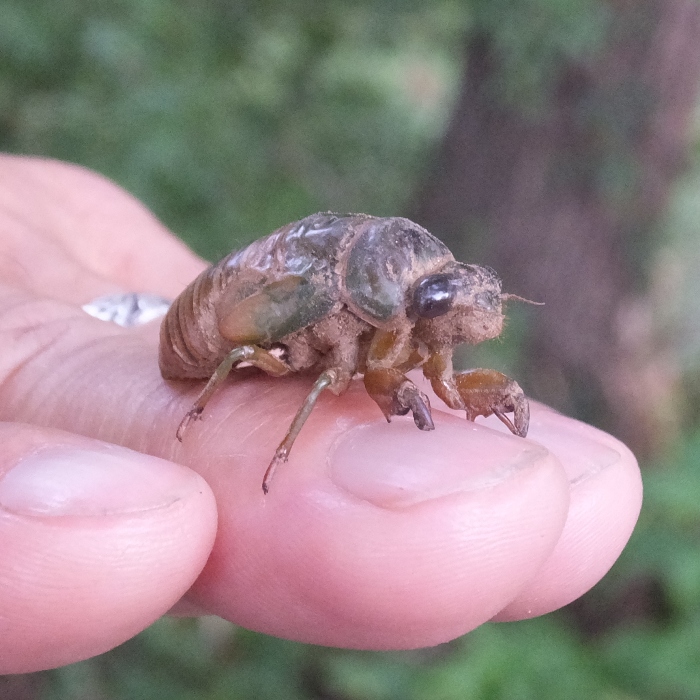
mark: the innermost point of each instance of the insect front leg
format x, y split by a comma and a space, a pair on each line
252, 354
479, 392
390, 388
486, 392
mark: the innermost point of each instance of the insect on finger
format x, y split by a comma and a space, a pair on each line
344, 294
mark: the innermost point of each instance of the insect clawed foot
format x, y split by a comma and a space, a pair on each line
396, 395
281, 456
191, 416
410, 398
487, 392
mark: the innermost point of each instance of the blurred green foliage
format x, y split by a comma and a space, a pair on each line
533, 37
230, 118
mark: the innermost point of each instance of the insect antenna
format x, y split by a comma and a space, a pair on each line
515, 297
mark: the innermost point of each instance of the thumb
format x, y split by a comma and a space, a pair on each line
96, 542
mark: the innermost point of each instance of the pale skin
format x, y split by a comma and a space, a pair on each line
375, 536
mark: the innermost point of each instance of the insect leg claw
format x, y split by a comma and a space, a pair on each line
190, 417
412, 399
281, 456
396, 395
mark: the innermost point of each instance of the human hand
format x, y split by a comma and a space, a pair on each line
372, 536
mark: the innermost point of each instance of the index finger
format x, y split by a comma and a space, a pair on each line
374, 535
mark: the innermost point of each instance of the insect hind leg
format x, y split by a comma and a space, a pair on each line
250, 354
325, 380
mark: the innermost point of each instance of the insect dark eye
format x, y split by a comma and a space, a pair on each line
434, 296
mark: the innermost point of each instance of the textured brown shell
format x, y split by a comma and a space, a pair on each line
324, 263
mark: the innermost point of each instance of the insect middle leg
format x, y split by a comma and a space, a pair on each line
252, 354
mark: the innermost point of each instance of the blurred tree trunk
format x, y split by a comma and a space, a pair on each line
564, 206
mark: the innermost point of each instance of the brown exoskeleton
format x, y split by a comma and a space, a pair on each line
344, 294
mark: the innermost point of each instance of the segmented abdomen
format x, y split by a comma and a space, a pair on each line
191, 346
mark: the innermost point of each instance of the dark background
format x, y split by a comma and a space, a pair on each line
556, 140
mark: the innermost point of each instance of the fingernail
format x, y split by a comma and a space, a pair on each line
66, 481
577, 446
397, 466
583, 450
